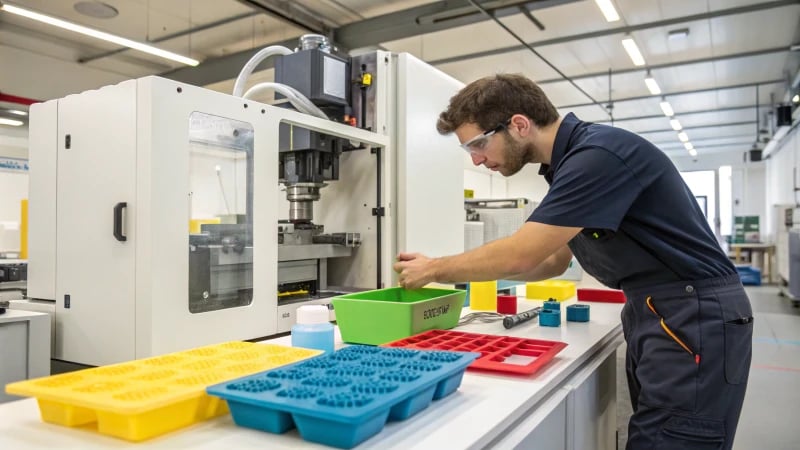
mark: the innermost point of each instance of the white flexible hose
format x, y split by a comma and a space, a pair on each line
248, 68
297, 99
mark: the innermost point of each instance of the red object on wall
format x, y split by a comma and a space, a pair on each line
18, 100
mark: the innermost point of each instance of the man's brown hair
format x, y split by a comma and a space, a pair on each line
492, 100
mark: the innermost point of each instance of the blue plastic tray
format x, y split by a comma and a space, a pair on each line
345, 398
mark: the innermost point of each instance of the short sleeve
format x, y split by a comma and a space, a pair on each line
591, 188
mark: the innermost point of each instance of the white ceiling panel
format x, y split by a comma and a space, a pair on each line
370, 8
722, 131
639, 125
754, 68
715, 118
564, 93
244, 34
591, 113
29, 80
754, 30
456, 41
38, 49
643, 11
660, 137
517, 62
624, 85
561, 21
730, 140
49, 33
643, 107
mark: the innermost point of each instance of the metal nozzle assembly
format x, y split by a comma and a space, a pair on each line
301, 197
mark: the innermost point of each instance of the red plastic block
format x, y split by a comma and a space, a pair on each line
498, 353
507, 304
601, 295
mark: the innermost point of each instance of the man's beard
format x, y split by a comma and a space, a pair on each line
516, 156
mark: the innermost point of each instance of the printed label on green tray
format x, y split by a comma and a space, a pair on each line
435, 312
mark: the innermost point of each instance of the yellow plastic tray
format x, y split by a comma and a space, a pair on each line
145, 398
543, 290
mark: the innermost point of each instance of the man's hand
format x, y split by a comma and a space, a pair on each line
414, 270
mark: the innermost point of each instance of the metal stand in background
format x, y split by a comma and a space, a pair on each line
792, 291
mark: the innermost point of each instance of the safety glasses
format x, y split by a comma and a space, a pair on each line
479, 142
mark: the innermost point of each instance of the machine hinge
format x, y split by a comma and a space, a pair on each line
379, 211
68, 141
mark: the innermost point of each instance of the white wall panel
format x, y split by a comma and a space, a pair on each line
430, 166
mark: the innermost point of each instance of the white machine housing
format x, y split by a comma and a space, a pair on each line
120, 300
130, 143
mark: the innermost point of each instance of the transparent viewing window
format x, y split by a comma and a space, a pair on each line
220, 213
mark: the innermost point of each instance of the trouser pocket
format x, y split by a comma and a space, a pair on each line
738, 329
691, 433
665, 340
674, 335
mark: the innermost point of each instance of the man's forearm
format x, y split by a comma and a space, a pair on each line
493, 261
521, 253
551, 267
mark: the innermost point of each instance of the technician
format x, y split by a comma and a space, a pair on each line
619, 205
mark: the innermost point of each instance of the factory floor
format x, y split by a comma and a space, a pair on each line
769, 418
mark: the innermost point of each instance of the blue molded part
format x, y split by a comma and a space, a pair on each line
344, 398
550, 318
552, 305
578, 313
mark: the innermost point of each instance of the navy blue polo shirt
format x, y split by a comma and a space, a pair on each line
641, 223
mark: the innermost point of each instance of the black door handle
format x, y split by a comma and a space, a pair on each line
118, 221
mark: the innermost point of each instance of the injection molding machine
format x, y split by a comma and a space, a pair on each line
165, 216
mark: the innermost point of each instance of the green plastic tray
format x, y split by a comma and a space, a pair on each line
385, 315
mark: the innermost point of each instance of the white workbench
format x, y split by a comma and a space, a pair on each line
569, 404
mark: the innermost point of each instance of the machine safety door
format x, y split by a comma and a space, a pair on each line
96, 206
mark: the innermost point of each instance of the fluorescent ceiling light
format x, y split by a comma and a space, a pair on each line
10, 122
633, 51
675, 125
796, 98
693, 152
652, 85
688, 146
667, 108
608, 10
683, 136
17, 112
98, 34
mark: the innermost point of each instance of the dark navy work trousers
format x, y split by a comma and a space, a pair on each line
688, 359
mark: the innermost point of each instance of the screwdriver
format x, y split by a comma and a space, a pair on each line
516, 319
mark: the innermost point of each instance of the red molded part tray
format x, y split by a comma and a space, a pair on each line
601, 295
498, 353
